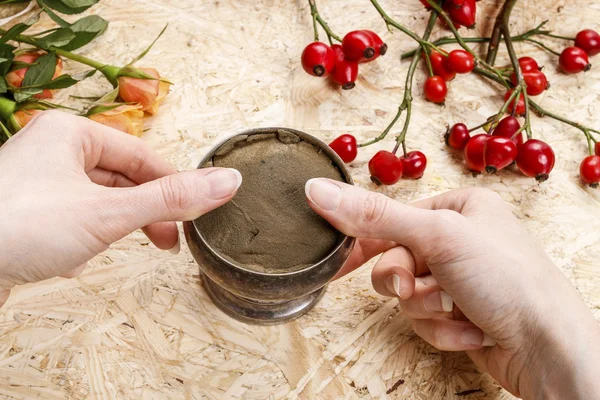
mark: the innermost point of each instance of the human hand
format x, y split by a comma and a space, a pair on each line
471, 278
70, 187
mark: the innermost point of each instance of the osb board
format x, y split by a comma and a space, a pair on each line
137, 323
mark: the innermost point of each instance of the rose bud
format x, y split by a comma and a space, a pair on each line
21, 118
15, 78
125, 118
149, 93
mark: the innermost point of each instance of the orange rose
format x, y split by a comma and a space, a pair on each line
125, 118
15, 78
23, 117
149, 93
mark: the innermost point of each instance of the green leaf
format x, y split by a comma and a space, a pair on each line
3, 85
19, 28
133, 72
6, 57
58, 38
42, 72
85, 30
70, 7
25, 94
143, 53
61, 82
102, 108
109, 97
20, 64
61, 22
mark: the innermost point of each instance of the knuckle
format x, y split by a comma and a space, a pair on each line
437, 337
481, 194
176, 197
373, 209
447, 220
137, 161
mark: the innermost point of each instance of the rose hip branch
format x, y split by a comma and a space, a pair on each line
501, 141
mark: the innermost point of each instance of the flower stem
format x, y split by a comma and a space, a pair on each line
558, 36
543, 46
390, 22
317, 19
406, 104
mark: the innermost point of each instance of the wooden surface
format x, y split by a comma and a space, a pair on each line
137, 323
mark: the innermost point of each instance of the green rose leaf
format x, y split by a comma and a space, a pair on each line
18, 29
85, 30
42, 72
58, 38
25, 94
69, 6
6, 57
3, 85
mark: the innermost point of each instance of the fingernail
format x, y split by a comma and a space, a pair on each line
476, 337
392, 284
438, 302
175, 249
223, 182
323, 193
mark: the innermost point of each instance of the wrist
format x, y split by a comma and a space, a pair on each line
564, 360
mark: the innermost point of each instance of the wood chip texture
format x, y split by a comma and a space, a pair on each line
137, 323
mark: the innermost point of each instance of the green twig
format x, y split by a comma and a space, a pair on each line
317, 19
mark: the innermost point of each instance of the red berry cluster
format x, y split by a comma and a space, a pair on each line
575, 59
444, 68
500, 147
340, 62
386, 167
461, 12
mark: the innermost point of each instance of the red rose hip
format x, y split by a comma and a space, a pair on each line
589, 171
589, 41
345, 72
536, 82
441, 67
378, 44
499, 152
318, 59
435, 89
474, 152
507, 127
358, 46
457, 136
413, 165
536, 159
464, 15
385, 168
461, 61
574, 60
597, 148
345, 147
528, 64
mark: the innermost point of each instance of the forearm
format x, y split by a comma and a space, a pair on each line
568, 353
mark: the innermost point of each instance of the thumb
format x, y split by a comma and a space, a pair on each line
361, 213
179, 197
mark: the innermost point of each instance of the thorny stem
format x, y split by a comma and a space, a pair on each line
542, 112
317, 19
406, 104
494, 45
459, 38
390, 22
450, 40
543, 46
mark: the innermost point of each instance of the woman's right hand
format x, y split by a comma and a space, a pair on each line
471, 278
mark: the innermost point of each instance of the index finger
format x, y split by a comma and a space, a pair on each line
97, 145
360, 213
